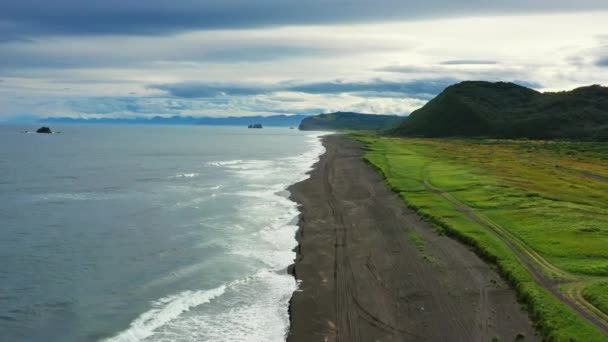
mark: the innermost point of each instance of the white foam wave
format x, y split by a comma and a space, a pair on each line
163, 311
252, 310
199, 195
76, 196
186, 175
224, 162
266, 208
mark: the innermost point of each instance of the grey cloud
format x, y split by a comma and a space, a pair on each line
76, 17
99, 52
596, 55
415, 89
575, 60
12, 59
152, 106
205, 90
419, 89
468, 62
602, 38
502, 73
412, 69
261, 52
16, 40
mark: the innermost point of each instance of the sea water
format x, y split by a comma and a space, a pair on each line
148, 233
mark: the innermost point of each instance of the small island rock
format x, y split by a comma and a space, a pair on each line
44, 130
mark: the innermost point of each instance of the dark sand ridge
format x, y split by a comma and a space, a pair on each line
372, 270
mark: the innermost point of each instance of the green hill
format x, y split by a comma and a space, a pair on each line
507, 110
349, 121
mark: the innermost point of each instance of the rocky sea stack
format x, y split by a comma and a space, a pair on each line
44, 129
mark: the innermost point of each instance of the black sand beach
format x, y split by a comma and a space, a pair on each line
365, 278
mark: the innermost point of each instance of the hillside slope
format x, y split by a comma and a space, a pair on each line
348, 121
507, 110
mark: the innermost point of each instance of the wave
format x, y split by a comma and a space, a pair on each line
76, 196
292, 169
253, 308
165, 310
185, 175
265, 207
224, 162
262, 228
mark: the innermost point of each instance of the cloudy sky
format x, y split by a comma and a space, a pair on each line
131, 58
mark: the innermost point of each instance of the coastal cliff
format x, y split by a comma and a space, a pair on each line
348, 121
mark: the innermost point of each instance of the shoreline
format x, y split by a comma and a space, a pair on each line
368, 268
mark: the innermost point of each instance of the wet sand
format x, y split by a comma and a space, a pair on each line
372, 270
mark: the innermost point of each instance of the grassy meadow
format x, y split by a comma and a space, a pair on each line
538, 209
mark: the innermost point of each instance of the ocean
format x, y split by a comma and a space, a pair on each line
149, 233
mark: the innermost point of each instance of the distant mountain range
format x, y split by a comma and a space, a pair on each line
349, 121
466, 109
274, 120
507, 110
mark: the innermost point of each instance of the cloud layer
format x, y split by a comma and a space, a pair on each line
26, 18
417, 89
129, 60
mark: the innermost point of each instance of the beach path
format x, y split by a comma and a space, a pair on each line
372, 270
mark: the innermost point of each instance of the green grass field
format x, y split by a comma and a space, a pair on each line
524, 205
597, 293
